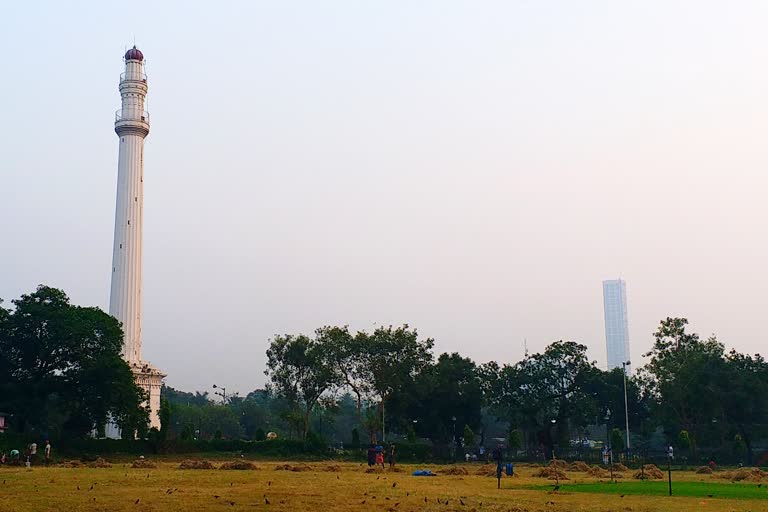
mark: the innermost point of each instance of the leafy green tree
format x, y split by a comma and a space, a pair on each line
684, 378
61, 368
745, 398
299, 370
545, 393
617, 441
448, 389
468, 436
514, 440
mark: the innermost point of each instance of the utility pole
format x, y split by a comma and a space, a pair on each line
624, 365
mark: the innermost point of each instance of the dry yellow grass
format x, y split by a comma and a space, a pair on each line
169, 489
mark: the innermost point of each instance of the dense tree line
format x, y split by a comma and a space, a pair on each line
62, 375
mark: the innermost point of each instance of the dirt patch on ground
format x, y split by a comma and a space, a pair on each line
196, 464
553, 473
374, 469
72, 464
649, 472
296, 468
99, 463
704, 470
395, 470
239, 464
143, 464
455, 470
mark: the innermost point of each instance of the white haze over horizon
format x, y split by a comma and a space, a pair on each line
473, 169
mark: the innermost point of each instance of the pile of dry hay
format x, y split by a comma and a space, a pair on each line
580, 465
71, 464
455, 470
618, 466
749, 474
239, 464
704, 470
649, 472
598, 472
295, 468
559, 464
374, 469
332, 468
99, 463
196, 464
143, 464
551, 472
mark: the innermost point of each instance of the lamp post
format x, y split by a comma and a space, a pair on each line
222, 393
453, 450
624, 365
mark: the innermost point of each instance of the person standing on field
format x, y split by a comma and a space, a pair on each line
33, 453
47, 452
391, 455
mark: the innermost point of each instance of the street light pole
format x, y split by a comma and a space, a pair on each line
223, 393
454, 438
624, 365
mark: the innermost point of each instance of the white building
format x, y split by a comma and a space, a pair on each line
132, 126
616, 323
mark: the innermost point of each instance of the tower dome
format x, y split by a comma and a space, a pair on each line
134, 54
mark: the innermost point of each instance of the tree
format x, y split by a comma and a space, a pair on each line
684, 378
545, 394
377, 366
468, 436
61, 368
300, 370
617, 441
448, 389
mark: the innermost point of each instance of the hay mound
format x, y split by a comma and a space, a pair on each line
598, 472
455, 470
332, 468
143, 464
580, 465
649, 472
395, 470
618, 466
99, 463
295, 468
196, 464
704, 470
748, 474
238, 464
553, 473
559, 464
71, 464
374, 469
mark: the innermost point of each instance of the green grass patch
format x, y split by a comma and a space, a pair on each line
661, 488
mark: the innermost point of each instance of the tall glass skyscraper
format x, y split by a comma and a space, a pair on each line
616, 325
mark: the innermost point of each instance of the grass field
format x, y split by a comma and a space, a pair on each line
329, 487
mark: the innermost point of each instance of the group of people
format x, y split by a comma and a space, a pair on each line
376, 455
14, 457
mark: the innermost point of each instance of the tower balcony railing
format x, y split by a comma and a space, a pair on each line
142, 117
125, 76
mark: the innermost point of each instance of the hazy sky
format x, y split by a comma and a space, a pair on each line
474, 169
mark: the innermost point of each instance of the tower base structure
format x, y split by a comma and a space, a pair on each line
150, 379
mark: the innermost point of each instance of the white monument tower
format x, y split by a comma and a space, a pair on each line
132, 126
